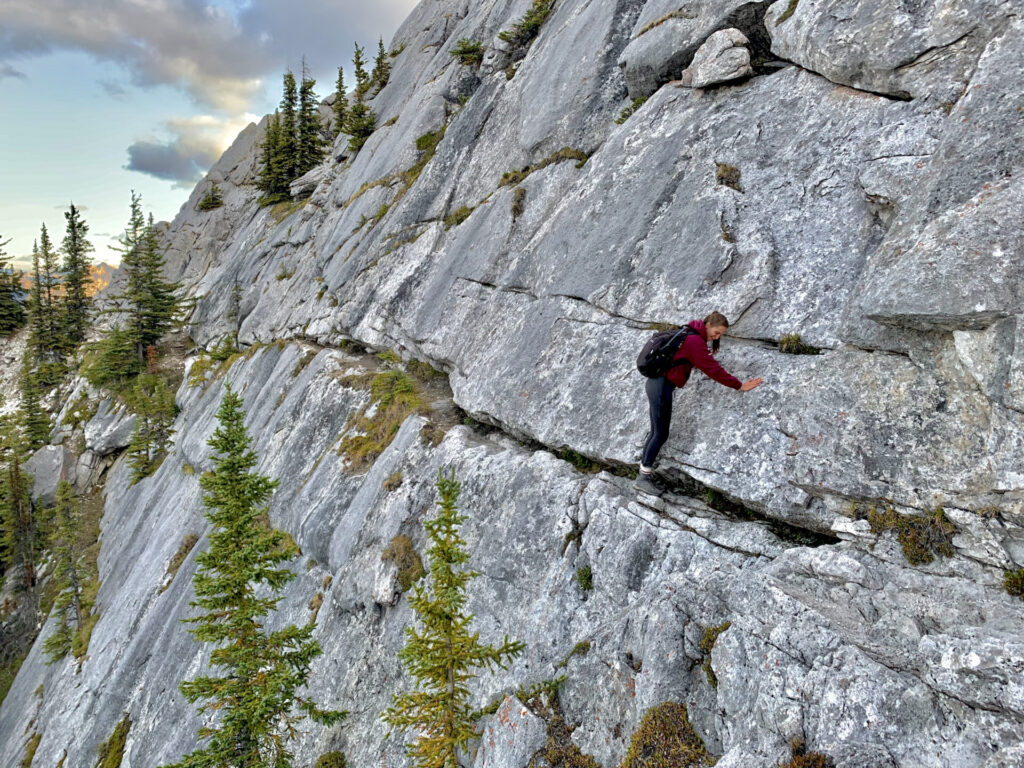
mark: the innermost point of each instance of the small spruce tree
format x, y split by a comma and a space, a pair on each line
340, 103
381, 68
12, 310
77, 277
272, 181
19, 533
309, 143
68, 606
442, 655
238, 582
362, 120
153, 404
34, 420
288, 138
45, 344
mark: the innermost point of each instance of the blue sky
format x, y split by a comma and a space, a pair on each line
105, 96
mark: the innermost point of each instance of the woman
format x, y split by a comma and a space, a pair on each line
693, 353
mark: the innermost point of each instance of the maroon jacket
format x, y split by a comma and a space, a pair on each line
694, 354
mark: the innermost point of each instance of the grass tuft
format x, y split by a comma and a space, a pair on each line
666, 739
402, 553
791, 344
708, 639
921, 536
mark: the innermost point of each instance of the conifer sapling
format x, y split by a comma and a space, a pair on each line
443, 652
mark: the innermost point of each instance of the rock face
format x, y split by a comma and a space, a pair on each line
868, 199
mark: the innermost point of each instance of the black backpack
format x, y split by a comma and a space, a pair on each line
657, 356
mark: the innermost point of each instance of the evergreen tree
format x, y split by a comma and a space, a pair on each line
381, 67
340, 103
442, 654
35, 421
12, 313
68, 606
362, 120
239, 580
273, 181
45, 343
18, 531
309, 143
288, 136
148, 303
152, 402
76, 304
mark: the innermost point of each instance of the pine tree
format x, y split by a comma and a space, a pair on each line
239, 580
340, 103
309, 144
76, 303
68, 606
12, 312
18, 530
362, 120
288, 137
45, 343
442, 654
273, 182
381, 67
148, 303
152, 402
35, 421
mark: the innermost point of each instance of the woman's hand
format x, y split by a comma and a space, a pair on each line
750, 384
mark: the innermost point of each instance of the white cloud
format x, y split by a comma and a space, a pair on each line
218, 58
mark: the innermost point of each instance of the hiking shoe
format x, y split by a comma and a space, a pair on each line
645, 483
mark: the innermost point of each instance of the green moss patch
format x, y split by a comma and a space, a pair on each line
728, 176
331, 760
585, 578
708, 639
403, 554
458, 216
582, 648
790, 10
665, 739
112, 750
627, 111
395, 396
791, 344
512, 178
1013, 582
188, 541
921, 536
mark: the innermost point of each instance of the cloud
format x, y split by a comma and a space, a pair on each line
114, 90
218, 57
195, 144
6, 70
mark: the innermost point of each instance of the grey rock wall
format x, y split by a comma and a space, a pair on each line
863, 193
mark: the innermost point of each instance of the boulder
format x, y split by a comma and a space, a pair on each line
721, 58
305, 184
110, 429
48, 466
905, 50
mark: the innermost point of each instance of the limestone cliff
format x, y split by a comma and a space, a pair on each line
862, 187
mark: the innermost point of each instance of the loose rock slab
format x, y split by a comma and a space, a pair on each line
723, 57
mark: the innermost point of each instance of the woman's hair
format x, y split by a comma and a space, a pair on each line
716, 318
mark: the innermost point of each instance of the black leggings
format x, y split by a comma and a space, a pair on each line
659, 394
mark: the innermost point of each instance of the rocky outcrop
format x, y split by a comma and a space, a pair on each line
524, 243
721, 58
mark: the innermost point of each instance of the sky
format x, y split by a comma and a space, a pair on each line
102, 97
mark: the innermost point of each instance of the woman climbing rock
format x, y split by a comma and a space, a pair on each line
672, 371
